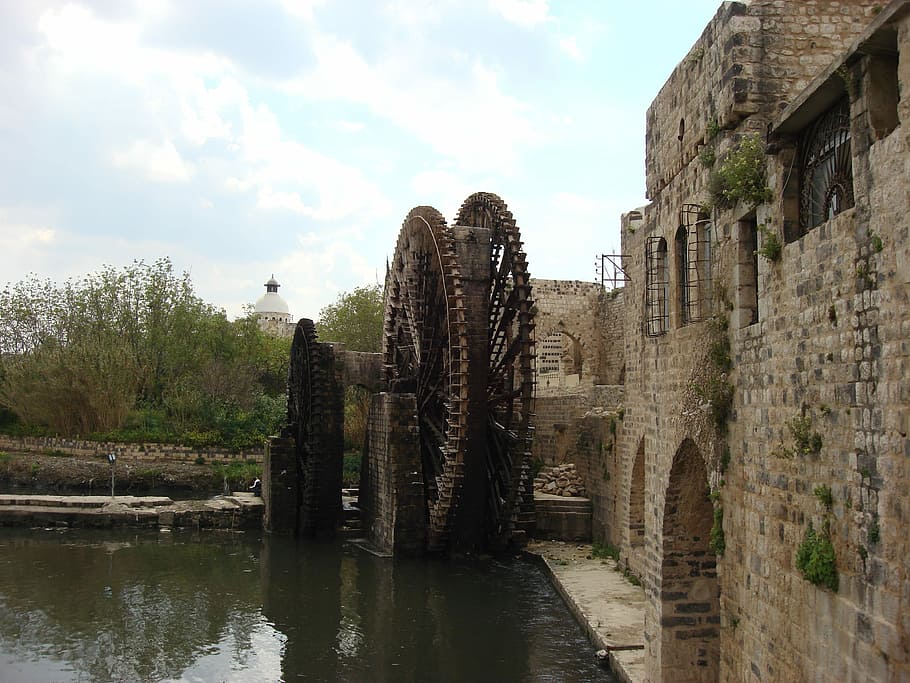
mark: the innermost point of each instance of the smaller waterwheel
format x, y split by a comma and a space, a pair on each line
313, 421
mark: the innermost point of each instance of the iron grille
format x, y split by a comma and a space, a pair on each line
696, 283
826, 164
657, 311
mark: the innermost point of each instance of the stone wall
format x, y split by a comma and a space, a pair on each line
554, 415
827, 354
576, 344
393, 510
148, 452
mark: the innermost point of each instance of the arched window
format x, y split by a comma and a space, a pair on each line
826, 167
693, 258
657, 295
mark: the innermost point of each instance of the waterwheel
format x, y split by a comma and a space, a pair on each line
510, 371
426, 351
313, 421
423, 343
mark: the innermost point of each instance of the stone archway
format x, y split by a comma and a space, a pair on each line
689, 592
637, 511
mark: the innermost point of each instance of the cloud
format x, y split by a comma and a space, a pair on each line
159, 162
467, 116
526, 13
570, 46
18, 238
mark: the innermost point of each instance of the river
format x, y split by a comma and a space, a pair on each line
99, 606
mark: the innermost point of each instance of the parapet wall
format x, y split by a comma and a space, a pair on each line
149, 452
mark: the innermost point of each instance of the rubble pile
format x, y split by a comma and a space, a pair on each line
559, 480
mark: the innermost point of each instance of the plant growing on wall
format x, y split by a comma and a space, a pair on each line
815, 557
806, 441
718, 542
741, 175
771, 246
713, 387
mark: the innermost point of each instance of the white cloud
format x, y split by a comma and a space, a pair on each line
291, 201
527, 13
570, 46
443, 190
159, 162
351, 126
468, 118
17, 237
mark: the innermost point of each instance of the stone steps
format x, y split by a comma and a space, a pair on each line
562, 518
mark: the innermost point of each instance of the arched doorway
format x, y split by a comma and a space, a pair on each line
689, 595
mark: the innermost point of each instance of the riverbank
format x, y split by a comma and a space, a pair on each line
59, 472
607, 606
240, 510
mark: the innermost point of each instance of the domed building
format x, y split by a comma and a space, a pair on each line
272, 311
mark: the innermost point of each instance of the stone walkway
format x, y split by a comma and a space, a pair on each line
240, 510
604, 602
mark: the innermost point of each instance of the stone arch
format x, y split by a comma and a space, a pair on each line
573, 354
689, 595
563, 359
637, 510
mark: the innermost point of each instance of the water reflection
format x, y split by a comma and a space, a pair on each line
98, 606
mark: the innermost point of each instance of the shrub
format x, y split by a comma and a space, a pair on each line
718, 542
771, 246
350, 472
816, 560
741, 175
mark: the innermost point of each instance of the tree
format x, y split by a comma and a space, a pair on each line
355, 320
134, 348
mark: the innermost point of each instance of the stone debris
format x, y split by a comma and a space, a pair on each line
560, 480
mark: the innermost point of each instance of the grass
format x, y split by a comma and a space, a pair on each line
605, 551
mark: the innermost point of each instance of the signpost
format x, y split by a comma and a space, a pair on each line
112, 458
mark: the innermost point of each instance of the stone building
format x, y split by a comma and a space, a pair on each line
757, 477
272, 312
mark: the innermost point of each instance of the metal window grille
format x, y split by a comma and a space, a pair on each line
695, 280
657, 309
826, 167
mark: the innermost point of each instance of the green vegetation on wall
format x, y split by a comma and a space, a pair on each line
740, 176
815, 558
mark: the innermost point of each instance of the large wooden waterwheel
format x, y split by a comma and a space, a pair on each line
510, 371
430, 347
314, 411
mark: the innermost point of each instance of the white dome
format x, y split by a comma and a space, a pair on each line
271, 301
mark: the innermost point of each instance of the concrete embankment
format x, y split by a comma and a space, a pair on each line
240, 510
606, 605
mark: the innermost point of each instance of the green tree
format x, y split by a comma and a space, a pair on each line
355, 319
135, 349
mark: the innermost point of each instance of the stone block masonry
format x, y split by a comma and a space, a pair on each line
393, 511
144, 452
786, 404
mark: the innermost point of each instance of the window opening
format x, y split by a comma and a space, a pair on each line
681, 247
826, 168
695, 279
657, 314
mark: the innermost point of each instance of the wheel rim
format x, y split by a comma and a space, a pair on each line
511, 364
422, 343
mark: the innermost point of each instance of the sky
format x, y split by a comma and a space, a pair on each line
243, 139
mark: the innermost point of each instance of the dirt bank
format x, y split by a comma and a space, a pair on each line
42, 472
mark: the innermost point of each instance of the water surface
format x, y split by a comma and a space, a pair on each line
93, 605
